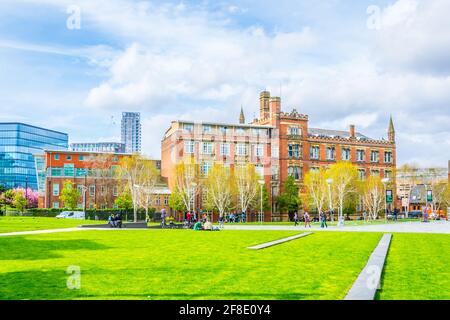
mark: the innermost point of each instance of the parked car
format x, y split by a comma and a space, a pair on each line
72, 215
415, 214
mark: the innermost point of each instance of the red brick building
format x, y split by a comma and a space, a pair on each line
281, 144
93, 174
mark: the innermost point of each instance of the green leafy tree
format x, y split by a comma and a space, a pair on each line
9, 196
289, 200
124, 201
70, 195
176, 200
20, 202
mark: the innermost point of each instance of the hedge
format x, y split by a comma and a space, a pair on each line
91, 214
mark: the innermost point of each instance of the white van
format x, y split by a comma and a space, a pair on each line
72, 215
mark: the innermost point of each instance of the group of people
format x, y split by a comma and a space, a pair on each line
115, 220
192, 217
204, 225
235, 217
307, 219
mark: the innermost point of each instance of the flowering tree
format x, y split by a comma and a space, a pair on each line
29, 195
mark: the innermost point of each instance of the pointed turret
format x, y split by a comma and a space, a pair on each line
242, 117
391, 131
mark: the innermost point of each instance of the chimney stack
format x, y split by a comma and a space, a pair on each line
352, 131
264, 108
274, 106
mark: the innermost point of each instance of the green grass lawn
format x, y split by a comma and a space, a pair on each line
12, 224
417, 267
182, 264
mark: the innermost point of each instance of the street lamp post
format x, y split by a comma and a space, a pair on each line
194, 186
329, 182
26, 192
385, 182
84, 190
261, 184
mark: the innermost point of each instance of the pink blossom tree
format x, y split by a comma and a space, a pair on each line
30, 195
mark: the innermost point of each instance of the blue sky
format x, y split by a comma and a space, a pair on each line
204, 59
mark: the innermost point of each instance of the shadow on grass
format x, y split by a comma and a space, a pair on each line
36, 285
19, 248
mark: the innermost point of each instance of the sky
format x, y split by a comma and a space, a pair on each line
75, 66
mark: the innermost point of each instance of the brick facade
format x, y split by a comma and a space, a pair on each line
95, 171
288, 147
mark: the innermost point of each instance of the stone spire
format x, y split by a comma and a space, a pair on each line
242, 117
391, 131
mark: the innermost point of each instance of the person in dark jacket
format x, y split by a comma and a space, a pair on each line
323, 220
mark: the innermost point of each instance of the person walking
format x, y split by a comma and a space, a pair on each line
296, 219
221, 222
163, 218
307, 219
323, 220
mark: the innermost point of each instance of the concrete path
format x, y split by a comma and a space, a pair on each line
368, 281
442, 227
279, 241
31, 232
21, 233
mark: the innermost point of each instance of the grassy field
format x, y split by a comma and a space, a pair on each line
417, 267
182, 264
11, 224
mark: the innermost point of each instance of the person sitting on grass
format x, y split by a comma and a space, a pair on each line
198, 226
208, 226
118, 220
111, 221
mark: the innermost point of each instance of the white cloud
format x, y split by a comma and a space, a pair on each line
181, 61
414, 36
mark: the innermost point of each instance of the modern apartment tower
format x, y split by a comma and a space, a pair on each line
19, 144
131, 132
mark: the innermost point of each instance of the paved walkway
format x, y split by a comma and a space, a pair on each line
21, 233
366, 285
24, 233
279, 241
442, 227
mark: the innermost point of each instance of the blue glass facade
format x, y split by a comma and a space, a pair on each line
18, 144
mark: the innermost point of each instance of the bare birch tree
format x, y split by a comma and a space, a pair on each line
219, 185
316, 184
247, 186
139, 174
344, 176
372, 191
186, 182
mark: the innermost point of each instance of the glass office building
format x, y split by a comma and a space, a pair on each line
18, 144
